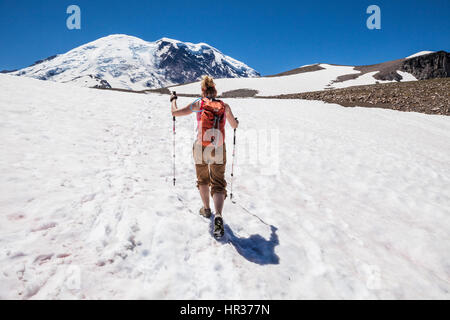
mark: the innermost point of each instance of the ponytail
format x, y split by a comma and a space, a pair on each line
208, 87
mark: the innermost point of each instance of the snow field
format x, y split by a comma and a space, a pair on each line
296, 83
355, 207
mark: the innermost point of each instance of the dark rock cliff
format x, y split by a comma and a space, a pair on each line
428, 66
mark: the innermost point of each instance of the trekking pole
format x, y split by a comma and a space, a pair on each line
232, 164
174, 179
174, 150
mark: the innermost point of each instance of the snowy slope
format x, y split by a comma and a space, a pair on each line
355, 207
131, 63
301, 82
368, 78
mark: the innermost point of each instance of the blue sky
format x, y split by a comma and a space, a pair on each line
270, 36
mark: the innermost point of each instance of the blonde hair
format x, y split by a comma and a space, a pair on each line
208, 87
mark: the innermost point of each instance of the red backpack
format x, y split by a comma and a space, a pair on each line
211, 122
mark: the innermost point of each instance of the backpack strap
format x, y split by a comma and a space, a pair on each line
203, 102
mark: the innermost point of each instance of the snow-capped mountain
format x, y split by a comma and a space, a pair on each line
127, 62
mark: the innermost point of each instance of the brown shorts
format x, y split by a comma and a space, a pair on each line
210, 167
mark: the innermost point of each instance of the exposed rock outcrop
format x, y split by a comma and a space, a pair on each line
425, 96
429, 66
310, 68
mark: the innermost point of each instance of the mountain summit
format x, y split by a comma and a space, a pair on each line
127, 62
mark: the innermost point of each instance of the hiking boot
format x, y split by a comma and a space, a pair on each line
205, 212
218, 227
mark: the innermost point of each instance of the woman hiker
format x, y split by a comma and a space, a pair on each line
209, 149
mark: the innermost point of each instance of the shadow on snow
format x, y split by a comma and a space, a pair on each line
255, 248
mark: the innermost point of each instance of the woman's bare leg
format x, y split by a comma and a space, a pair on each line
218, 199
204, 194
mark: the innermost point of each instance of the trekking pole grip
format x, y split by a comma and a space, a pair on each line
173, 96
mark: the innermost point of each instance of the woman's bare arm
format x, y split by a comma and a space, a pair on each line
184, 111
230, 117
